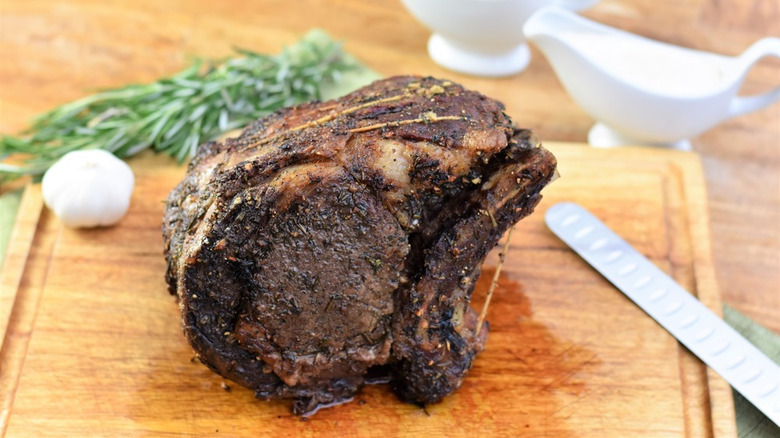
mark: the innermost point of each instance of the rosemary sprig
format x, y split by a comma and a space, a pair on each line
176, 114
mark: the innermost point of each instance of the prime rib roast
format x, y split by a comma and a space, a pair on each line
334, 242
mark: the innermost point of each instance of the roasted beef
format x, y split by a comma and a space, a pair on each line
339, 240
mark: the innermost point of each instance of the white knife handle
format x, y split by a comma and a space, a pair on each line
746, 369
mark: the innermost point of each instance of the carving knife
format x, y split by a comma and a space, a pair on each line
706, 335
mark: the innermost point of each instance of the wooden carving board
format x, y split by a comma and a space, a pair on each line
92, 342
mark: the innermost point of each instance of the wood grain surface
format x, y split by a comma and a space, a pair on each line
94, 344
62, 324
53, 51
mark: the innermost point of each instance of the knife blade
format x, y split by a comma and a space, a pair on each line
705, 334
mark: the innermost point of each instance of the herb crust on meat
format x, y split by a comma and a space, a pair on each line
336, 240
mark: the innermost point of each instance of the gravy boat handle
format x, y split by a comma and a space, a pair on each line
576, 5
760, 49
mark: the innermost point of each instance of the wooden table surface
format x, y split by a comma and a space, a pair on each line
52, 51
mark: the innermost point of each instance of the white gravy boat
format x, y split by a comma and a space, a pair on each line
642, 91
481, 37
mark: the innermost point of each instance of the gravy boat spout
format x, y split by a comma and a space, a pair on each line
642, 91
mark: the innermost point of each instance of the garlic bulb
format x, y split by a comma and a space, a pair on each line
88, 188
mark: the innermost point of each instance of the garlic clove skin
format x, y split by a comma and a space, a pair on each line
88, 188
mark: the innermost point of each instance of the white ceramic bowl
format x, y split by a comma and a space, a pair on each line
481, 37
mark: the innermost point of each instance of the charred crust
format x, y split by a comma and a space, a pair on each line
304, 254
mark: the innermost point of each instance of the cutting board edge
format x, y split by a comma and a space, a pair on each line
18, 251
16, 311
723, 415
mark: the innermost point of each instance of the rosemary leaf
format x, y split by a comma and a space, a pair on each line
174, 115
